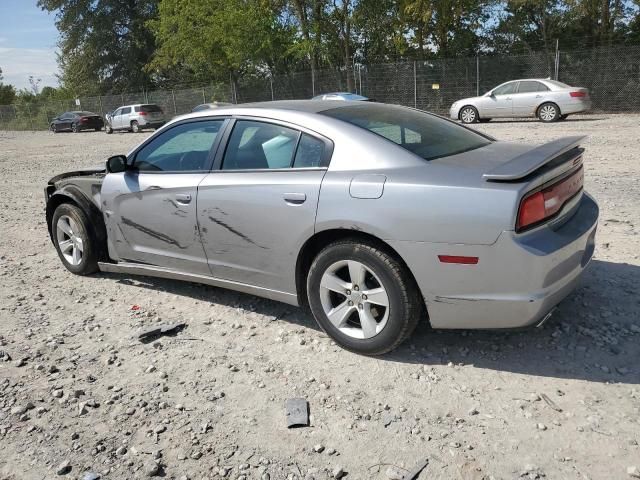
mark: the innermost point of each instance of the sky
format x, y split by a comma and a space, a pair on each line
28, 38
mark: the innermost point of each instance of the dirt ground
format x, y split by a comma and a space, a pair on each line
82, 396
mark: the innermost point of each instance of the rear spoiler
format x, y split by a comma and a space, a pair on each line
529, 162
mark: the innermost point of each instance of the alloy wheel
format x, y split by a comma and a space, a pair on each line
468, 115
70, 242
548, 113
354, 299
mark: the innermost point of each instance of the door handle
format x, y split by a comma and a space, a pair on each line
295, 198
183, 198
508, 98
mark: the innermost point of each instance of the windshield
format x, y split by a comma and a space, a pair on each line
419, 132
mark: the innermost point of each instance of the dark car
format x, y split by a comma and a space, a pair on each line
76, 122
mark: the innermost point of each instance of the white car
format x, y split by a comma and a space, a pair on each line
549, 100
134, 118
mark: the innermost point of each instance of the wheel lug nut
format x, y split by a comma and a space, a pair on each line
360, 306
364, 297
350, 303
348, 292
356, 288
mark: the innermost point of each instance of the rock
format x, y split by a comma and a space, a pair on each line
474, 411
394, 473
63, 468
338, 472
121, 450
57, 393
82, 408
318, 448
160, 428
541, 426
633, 472
331, 451
19, 410
91, 476
151, 469
150, 369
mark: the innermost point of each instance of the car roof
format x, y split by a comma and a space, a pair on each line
306, 106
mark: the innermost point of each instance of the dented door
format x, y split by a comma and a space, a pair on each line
151, 218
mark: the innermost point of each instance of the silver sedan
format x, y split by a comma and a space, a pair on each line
376, 216
549, 100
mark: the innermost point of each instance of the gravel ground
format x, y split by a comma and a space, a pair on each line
80, 394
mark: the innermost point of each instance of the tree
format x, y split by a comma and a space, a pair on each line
104, 44
7, 92
210, 40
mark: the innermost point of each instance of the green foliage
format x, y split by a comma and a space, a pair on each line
7, 92
104, 44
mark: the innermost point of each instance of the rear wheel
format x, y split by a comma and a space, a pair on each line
108, 130
362, 297
469, 114
548, 112
135, 127
75, 246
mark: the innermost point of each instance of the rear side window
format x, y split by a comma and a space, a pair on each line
259, 145
310, 152
426, 135
527, 86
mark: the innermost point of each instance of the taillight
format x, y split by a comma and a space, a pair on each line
541, 205
578, 94
84, 119
143, 113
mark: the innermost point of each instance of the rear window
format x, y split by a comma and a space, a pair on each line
149, 108
558, 84
426, 135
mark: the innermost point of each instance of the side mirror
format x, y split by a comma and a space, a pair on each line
492, 95
116, 164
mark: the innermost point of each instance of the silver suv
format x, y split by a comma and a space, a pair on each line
134, 118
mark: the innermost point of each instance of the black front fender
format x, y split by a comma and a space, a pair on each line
74, 195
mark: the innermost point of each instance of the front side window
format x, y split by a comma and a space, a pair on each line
428, 136
506, 89
183, 148
258, 145
125, 110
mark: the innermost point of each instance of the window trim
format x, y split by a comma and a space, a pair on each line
131, 158
327, 153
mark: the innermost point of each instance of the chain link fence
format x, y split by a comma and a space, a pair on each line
612, 74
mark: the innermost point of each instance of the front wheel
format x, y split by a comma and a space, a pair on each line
74, 128
108, 130
362, 297
75, 246
548, 112
469, 114
53, 128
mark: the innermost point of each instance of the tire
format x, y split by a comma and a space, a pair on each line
70, 230
74, 128
108, 130
135, 127
548, 112
468, 114
388, 326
